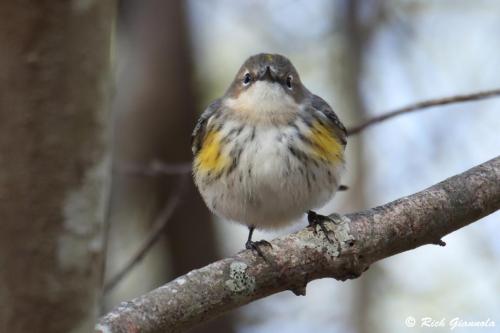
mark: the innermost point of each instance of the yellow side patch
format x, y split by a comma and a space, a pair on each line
324, 143
210, 157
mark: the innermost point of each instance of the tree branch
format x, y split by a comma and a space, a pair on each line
360, 239
423, 105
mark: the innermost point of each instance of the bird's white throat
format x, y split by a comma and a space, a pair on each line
264, 100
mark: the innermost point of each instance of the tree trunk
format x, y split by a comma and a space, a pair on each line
350, 55
54, 66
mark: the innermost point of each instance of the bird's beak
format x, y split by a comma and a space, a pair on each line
267, 74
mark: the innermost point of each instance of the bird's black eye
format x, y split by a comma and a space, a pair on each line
247, 78
289, 82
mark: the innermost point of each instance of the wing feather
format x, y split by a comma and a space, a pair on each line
320, 105
201, 126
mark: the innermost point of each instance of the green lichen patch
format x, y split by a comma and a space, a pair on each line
341, 229
340, 235
239, 281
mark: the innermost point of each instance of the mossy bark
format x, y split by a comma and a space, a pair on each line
54, 70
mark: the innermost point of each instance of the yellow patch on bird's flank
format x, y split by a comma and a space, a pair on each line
211, 157
269, 57
325, 144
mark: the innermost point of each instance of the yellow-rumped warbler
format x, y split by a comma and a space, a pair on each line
268, 150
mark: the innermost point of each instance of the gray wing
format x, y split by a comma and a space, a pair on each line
201, 126
319, 104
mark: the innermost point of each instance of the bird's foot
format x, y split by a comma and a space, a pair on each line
255, 246
316, 219
343, 188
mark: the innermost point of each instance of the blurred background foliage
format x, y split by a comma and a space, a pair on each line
364, 58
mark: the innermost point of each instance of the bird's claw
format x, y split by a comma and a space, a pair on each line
319, 220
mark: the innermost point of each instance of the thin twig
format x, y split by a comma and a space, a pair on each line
157, 229
154, 168
424, 105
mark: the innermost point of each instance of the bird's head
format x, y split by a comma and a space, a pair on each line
266, 82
